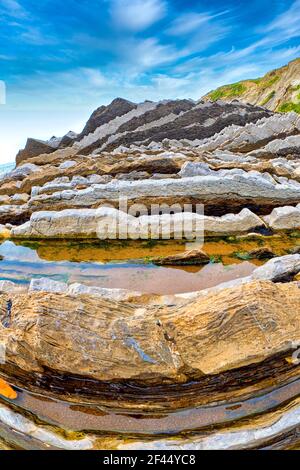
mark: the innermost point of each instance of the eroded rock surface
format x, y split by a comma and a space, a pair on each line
111, 341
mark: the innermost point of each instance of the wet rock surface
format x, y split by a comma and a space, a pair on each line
212, 362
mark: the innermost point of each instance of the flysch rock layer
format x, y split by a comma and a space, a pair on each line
116, 341
233, 190
125, 123
110, 223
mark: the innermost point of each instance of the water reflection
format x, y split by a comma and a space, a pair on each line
22, 263
127, 265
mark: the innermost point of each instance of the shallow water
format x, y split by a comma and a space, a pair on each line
128, 265
21, 264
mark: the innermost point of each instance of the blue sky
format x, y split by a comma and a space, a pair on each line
60, 59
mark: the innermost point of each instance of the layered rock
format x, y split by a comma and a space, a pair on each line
108, 341
277, 90
109, 223
219, 194
33, 148
252, 136
125, 123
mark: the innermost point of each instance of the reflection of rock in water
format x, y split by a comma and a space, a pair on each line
92, 264
206, 369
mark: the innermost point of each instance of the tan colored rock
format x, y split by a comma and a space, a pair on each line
114, 341
192, 257
5, 199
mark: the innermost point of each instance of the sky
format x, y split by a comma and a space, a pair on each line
60, 60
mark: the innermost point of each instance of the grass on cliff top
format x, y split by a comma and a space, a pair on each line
237, 89
228, 91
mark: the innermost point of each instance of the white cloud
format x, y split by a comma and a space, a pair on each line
140, 55
13, 8
187, 23
137, 15
95, 77
190, 22
287, 21
33, 35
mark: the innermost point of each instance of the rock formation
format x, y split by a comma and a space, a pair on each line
278, 90
210, 368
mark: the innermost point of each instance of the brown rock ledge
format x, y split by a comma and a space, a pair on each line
100, 342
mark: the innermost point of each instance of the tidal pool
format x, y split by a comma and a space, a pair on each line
57, 423
128, 265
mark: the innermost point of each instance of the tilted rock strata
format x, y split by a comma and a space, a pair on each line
252, 136
125, 123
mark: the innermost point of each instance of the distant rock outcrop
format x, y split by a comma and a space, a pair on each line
123, 123
278, 90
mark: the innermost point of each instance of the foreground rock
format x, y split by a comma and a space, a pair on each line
108, 222
111, 341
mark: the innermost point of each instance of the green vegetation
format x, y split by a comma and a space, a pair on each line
215, 259
295, 88
256, 80
268, 98
228, 91
288, 107
295, 234
243, 255
31, 244
267, 83
231, 239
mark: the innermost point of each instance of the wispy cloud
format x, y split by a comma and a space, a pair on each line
34, 35
288, 22
144, 54
191, 21
13, 8
137, 15
71, 56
